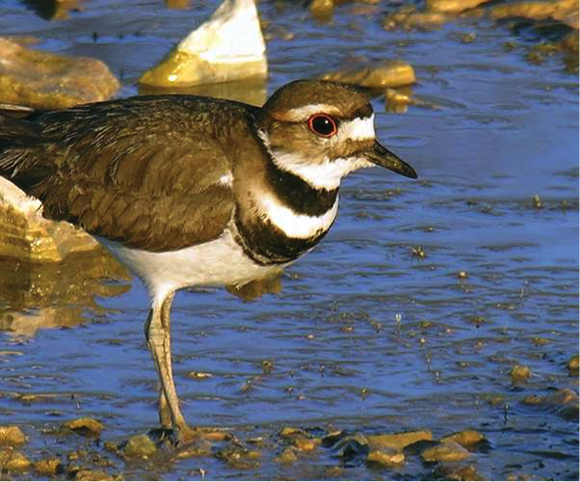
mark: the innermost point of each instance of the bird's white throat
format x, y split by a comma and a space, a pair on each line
328, 173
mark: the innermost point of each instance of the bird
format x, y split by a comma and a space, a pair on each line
191, 191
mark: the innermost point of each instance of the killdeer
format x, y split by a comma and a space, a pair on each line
188, 190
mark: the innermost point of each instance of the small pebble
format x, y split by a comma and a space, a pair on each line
11, 436
87, 474
520, 374
287, 457
573, 365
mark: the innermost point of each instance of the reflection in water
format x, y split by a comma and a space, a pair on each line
44, 295
251, 92
53, 9
177, 4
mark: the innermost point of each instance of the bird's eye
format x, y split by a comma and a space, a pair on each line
322, 125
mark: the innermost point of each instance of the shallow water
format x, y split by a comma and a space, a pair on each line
366, 335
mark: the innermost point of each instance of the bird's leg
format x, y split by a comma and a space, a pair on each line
157, 331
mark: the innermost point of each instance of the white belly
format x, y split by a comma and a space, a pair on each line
216, 263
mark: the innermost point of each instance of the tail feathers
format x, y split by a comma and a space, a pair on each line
19, 142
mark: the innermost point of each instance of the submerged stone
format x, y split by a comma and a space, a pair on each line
88, 427
139, 446
49, 81
229, 46
388, 73
520, 374
445, 452
50, 466
573, 365
13, 461
387, 457
11, 436
88, 474
465, 438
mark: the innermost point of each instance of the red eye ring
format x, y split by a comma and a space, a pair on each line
322, 125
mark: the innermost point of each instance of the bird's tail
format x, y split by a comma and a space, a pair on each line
20, 138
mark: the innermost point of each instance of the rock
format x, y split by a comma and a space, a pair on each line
565, 11
396, 101
306, 444
570, 42
465, 438
468, 472
573, 365
398, 441
520, 374
51, 466
87, 427
389, 73
49, 81
452, 6
237, 455
287, 457
387, 457
24, 234
229, 46
409, 19
445, 452
322, 9
88, 474
13, 461
11, 436
139, 446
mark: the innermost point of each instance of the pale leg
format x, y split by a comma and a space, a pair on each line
157, 331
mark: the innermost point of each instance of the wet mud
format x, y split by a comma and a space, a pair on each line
445, 307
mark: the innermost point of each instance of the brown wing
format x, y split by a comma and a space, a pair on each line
143, 171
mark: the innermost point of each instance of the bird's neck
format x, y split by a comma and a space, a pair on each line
283, 215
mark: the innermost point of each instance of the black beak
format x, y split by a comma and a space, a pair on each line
381, 156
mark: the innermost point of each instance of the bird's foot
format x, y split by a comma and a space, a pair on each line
188, 437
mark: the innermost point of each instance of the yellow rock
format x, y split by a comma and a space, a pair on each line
464, 438
48, 466
398, 441
86, 474
85, 426
229, 46
565, 11
13, 461
389, 73
11, 436
520, 373
24, 234
445, 452
573, 365
386, 457
46, 80
452, 6
139, 446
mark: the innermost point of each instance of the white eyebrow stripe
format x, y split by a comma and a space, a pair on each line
303, 113
361, 128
